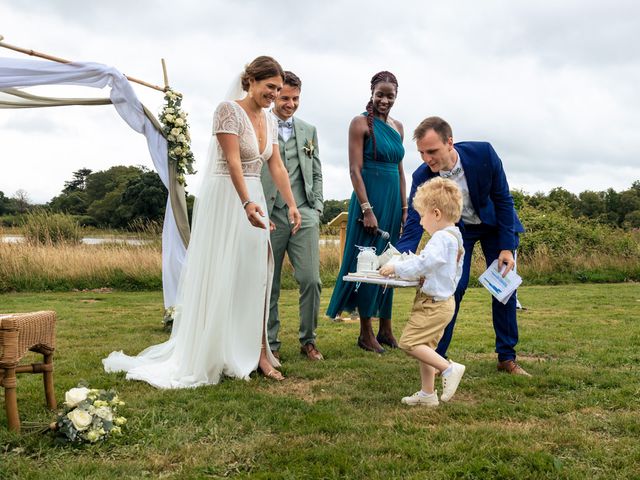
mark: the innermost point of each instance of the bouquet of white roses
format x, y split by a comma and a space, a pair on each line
176, 129
89, 415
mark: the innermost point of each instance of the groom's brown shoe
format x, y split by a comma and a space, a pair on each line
311, 352
512, 367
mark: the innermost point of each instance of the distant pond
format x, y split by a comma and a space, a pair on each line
85, 240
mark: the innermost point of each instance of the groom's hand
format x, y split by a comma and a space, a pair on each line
295, 219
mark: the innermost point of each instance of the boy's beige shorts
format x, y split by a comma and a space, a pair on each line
427, 322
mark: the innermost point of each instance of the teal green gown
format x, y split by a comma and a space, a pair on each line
382, 182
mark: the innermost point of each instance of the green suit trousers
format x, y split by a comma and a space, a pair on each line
303, 251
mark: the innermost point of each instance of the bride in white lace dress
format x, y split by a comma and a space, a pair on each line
222, 302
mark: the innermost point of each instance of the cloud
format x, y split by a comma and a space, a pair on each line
552, 85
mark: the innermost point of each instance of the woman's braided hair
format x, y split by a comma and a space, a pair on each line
380, 77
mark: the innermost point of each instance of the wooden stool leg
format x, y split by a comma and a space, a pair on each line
47, 377
11, 399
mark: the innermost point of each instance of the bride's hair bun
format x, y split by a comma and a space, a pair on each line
261, 68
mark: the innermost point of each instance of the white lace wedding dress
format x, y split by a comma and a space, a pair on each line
222, 301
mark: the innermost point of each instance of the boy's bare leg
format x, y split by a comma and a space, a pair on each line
430, 357
427, 375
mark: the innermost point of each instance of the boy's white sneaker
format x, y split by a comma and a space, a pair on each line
451, 381
418, 398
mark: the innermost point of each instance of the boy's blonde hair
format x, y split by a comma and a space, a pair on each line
440, 193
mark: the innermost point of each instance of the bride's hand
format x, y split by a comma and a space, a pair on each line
255, 215
295, 219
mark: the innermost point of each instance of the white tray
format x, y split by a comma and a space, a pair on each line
378, 279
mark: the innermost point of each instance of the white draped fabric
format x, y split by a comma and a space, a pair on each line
20, 73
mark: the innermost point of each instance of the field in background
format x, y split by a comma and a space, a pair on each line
63, 267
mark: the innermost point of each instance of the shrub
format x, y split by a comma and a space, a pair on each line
44, 228
557, 234
9, 220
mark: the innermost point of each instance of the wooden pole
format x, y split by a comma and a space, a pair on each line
164, 74
33, 53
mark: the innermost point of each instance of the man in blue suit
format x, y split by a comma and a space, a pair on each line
488, 216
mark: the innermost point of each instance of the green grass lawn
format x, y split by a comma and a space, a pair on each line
578, 417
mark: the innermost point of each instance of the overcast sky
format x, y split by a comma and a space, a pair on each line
552, 85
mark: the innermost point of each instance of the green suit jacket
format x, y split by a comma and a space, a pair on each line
306, 135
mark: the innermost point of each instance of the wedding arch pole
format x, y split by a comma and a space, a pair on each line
33, 53
164, 74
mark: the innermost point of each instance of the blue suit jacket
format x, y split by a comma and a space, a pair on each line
488, 190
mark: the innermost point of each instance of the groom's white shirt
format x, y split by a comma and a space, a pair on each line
285, 132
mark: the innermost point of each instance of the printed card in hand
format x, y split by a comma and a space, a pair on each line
500, 287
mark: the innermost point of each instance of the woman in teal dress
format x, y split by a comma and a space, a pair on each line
379, 201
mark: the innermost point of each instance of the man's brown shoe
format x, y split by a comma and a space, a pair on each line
512, 367
311, 352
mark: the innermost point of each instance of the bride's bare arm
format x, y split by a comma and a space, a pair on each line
231, 149
281, 179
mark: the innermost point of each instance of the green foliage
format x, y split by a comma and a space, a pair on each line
561, 235
74, 202
5, 204
10, 220
78, 182
114, 197
99, 184
143, 199
617, 209
576, 418
45, 228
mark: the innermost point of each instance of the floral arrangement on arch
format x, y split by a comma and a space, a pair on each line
176, 129
90, 415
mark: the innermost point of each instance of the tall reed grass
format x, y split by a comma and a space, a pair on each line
45, 228
37, 267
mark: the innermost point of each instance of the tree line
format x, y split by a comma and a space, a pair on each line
122, 196
118, 197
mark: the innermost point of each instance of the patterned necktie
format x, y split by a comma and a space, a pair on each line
283, 124
453, 173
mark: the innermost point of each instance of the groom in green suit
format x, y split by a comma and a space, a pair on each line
299, 151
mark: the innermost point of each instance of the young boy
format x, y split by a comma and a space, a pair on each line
439, 203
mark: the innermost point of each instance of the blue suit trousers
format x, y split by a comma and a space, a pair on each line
504, 316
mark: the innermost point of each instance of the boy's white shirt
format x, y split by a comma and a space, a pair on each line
437, 263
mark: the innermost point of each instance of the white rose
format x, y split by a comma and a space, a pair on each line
179, 122
176, 131
169, 110
177, 150
80, 419
183, 115
76, 395
171, 138
169, 118
105, 413
181, 138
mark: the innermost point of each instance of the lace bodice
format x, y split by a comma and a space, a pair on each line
229, 117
